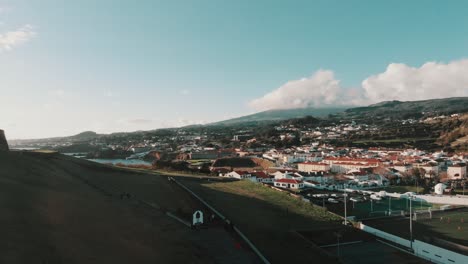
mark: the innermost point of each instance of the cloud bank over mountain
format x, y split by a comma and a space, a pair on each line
398, 82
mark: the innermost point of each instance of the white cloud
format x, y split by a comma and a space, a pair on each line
11, 39
431, 80
5, 9
317, 90
397, 82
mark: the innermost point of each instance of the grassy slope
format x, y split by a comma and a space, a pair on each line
403, 189
268, 218
51, 214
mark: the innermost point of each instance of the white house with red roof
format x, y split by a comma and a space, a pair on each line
262, 177
238, 175
345, 164
282, 175
401, 167
289, 184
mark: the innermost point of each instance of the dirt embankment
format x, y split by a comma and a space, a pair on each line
58, 209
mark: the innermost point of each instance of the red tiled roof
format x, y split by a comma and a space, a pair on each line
261, 174
313, 163
346, 159
288, 181
242, 172
353, 164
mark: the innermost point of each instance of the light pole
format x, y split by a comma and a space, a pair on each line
338, 235
345, 213
416, 185
411, 221
389, 205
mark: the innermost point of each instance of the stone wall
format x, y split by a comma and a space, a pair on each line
3, 141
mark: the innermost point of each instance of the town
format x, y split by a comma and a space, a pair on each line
324, 162
234, 132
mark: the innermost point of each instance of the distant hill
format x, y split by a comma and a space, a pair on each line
81, 137
409, 109
281, 114
382, 110
87, 135
379, 113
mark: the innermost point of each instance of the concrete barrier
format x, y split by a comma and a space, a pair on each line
444, 199
421, 249
437, 255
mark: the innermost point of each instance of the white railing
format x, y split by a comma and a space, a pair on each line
421, 249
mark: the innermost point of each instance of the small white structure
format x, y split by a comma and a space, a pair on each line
238, 175
289, 183
457, 171
197, 218
439, 188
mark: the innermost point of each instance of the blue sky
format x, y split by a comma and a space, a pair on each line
108, 66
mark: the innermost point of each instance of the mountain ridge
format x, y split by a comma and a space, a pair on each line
380, 111
281, 114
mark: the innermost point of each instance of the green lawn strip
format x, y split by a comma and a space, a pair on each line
269, 218
277, 198
393, 140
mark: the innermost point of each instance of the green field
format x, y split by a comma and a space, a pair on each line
451, 224
402, 189
275, 198
429, 230
369, 209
